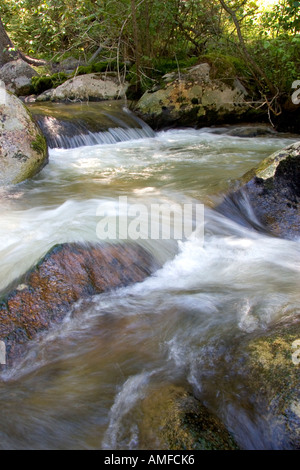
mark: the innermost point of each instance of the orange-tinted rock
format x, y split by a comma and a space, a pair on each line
67, 273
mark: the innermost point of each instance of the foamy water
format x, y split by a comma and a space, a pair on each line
82, 384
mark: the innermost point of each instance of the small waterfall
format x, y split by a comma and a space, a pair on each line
71, 126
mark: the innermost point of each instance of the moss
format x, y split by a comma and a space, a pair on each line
270, 360
99, 67
59, 78
273, 382
39, 145
182, 422
224, 66
41, 84
83, 69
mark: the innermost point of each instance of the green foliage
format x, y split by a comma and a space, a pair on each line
280, 58
171, 35
271, 37
55, 27
284, 18
47, 27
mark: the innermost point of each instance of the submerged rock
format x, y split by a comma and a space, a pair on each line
192, 98
23, 148
174, 419
68, 273
89, 87
272, 191
252, 131
268, 365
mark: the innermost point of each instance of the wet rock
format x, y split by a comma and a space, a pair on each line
268, 365
175, 420
273, 192
29, 99
89, 87
68, 273
194, 99
23, 148
17, 76
252, 131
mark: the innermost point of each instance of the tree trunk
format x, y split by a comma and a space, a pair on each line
7, 50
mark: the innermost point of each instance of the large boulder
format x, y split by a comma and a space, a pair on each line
23, 148
69, 272
17, 76
89, 87
192, 98
272, 190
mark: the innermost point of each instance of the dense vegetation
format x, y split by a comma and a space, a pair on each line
256, 40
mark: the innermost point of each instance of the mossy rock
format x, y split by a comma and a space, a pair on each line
23, 151
271, 373
176, 420
193, 98
224, 66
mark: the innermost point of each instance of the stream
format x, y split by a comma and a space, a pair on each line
83, 384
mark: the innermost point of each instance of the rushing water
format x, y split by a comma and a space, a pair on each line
82, 384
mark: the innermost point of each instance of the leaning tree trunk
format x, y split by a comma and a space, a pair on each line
7, 50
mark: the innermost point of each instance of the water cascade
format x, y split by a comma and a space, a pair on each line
85, 125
